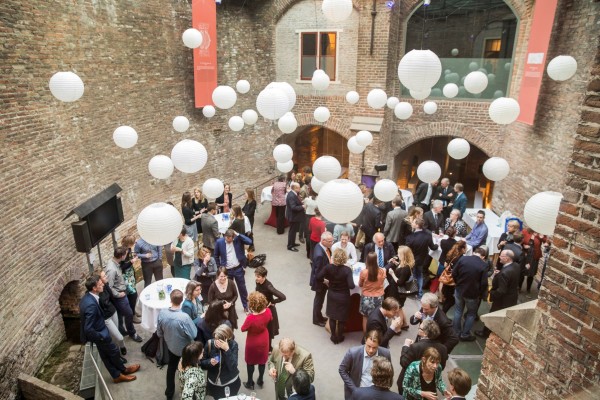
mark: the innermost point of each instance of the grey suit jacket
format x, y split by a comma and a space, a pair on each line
392, 224
351, 367
210, 230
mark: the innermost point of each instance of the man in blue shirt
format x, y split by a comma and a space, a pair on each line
151, 257
478, 235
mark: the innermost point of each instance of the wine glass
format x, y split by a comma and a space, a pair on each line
241, 396
227, 392
252, 395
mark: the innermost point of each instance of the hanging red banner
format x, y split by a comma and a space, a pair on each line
204, 19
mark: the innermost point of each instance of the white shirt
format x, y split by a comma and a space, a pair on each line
350, 250
232, 260
366, 380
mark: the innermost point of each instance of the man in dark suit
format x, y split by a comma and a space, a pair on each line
446, 194
434, 218
459, 384
424, 194
383, 375
383, 249
236, 266
303, 389
430, 310
320, 258
355, 368
392, 222
93, 329
370, 220
420, 242
294, 212
377, 320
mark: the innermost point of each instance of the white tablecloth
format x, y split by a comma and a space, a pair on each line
437, 253
408, 197
239, 398
356, 268
265, 194
491, 221
151, 305
224, 221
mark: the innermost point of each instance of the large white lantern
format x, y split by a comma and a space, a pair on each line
282, 153
364, 138
250, 117
242, 86
385, 190
376, 98
450, 90
562, 68
476, 82
208, 111
159, 224
458, 148
352, 97
320, 80
403, 110
430, 107
66, 86
496, 168
316, 184
419, 69
337, 10
429, 171
504, 110
354, 147
236, 123
224, 97
286, 166
192, 38
392, 102
340, 201
327, 168
287, 89
213, 188
272, 103
287, 123
125, 137
189, 156
160, 167
420, 94
181, 124
541, 210
321, 114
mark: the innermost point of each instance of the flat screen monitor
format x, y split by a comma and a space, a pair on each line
104, 219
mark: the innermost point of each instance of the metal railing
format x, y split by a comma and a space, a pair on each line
99, 376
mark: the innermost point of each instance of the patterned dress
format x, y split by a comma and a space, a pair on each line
193, 384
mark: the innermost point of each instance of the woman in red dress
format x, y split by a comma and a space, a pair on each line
257, 340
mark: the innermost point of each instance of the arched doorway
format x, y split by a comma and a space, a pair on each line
69, 309
467, 171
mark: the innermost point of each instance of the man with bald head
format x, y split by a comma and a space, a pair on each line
320, 258
383, 249
294, 212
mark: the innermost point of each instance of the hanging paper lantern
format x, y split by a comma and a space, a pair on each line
473, 66
452, 77
392, 102
454, 52
208, 111
320, 80
340, 201
498, 94
337, 10
282, 153
250, 117
541, 211
352, 97
385, 190
429, 171
213, 188
272, 103
192, 38
242, 86
420, 94
159, 224
562, 68
450, 90
181, 124
458, 148
483, 70
436, 92
364, 138
160, 167
327, 168
491, 78
287, 89
189, 156
316, 184
236, 123
419, 70
354, 147
321, 114
507, 66
376, 98
286, 166
430, 107
496, 168
504, 110
66, 86
125, 137
224, 97
403, 110
287, 123
476, 82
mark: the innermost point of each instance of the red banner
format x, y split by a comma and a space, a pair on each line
204, 19
535, 62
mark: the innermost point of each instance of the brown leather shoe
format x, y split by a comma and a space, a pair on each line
124, 378
132, 369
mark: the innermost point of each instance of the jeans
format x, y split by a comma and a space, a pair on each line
124, 311
237, 274
472, 307
171, 369
418, 274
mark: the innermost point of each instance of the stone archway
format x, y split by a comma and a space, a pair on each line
69, 309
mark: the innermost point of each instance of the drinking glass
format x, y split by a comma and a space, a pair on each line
241, 396
227, 392
252, 395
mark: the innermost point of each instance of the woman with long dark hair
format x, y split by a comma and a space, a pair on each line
214, 316
455, 253
249, 208
224, 289
191, 376
237, 220
371, 281
189, 216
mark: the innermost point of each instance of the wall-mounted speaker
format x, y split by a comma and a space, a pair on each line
81, 234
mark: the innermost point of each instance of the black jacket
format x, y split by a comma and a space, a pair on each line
377, 321
470, 276
448, 337
420, 243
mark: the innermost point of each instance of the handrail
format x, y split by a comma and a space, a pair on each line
99, 374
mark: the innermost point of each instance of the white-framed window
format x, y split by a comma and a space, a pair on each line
318, 50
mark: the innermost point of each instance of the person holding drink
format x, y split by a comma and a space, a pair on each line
183, 249
220, 360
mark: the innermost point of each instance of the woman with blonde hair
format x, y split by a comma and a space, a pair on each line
400, 270
199, 205
406, 224
237, 220
221, 362
257, 340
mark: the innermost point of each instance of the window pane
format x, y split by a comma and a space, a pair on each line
309, 44
328, 65
328, 43
308, 66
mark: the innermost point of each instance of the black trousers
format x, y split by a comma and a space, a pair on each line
294, 226
280, 214
318, 306
152, 268
111, 357
171, 369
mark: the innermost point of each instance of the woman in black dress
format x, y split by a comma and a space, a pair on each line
249, 208
224, 201
207, 272
199, 204
214, 316
237, 220
399, 272
273, 296
224, 289
189, 216
338, 278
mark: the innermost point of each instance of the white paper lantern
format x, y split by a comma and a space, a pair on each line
282, 153
287, 89
340, 201
429, 171
320, 80
419, 69
476, 82
236, 123
420, 94
192, 38
272, 103
242, 86
403, 110
250, 117
483, 70
473, 66
498, 94
430, 107
66, 86
336, 10
385, 190
504, 110
491, 78
458, 148
392, 102
352, 97
562, 68
125, 137
452, 77
159, 224
208, 111
354, 147
364, 138
376, 98
213, 188
224, 97
161, 167
454, 52
327, 168
189, 156
181, 124
541, 210
436, 92
507, 66
316, 184
286, 166
287, 123
321, 114
496, 168
450, 90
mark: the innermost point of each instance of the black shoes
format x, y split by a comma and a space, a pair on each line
293, 249
260, 383
136, 338
249, 386
321, 324
123, 351
469, 338
482, 334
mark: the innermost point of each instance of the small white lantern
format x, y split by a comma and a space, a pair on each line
385, 190
491, 78
476, 82
272, 103
159, 224
454, 52
450, 90
541, 210
236, 123
376, 98
161, 167
436, 92
242, 86
316, 184
392, 102
66, 86
504, 110
282, 153
430, 107
287, 123
429, 171
473, 66
224, 97
213, 188
320, 80
192, 38
181, 124
327, 168
420, 94
496, 168
321, 114
403, 110
352, 97
189, 156
562, 68
125, 137
208, 111
354, 147
286, 166
498, 94
458, 148
419, 69
287, 89
337, 10
507, 66
250, 117
340, 201
364, 138
452, 77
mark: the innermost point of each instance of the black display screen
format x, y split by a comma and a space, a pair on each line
103, 220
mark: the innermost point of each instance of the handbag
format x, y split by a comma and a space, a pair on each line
410, 286
446, 276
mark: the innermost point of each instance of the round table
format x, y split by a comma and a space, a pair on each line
151, 305
224, 220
